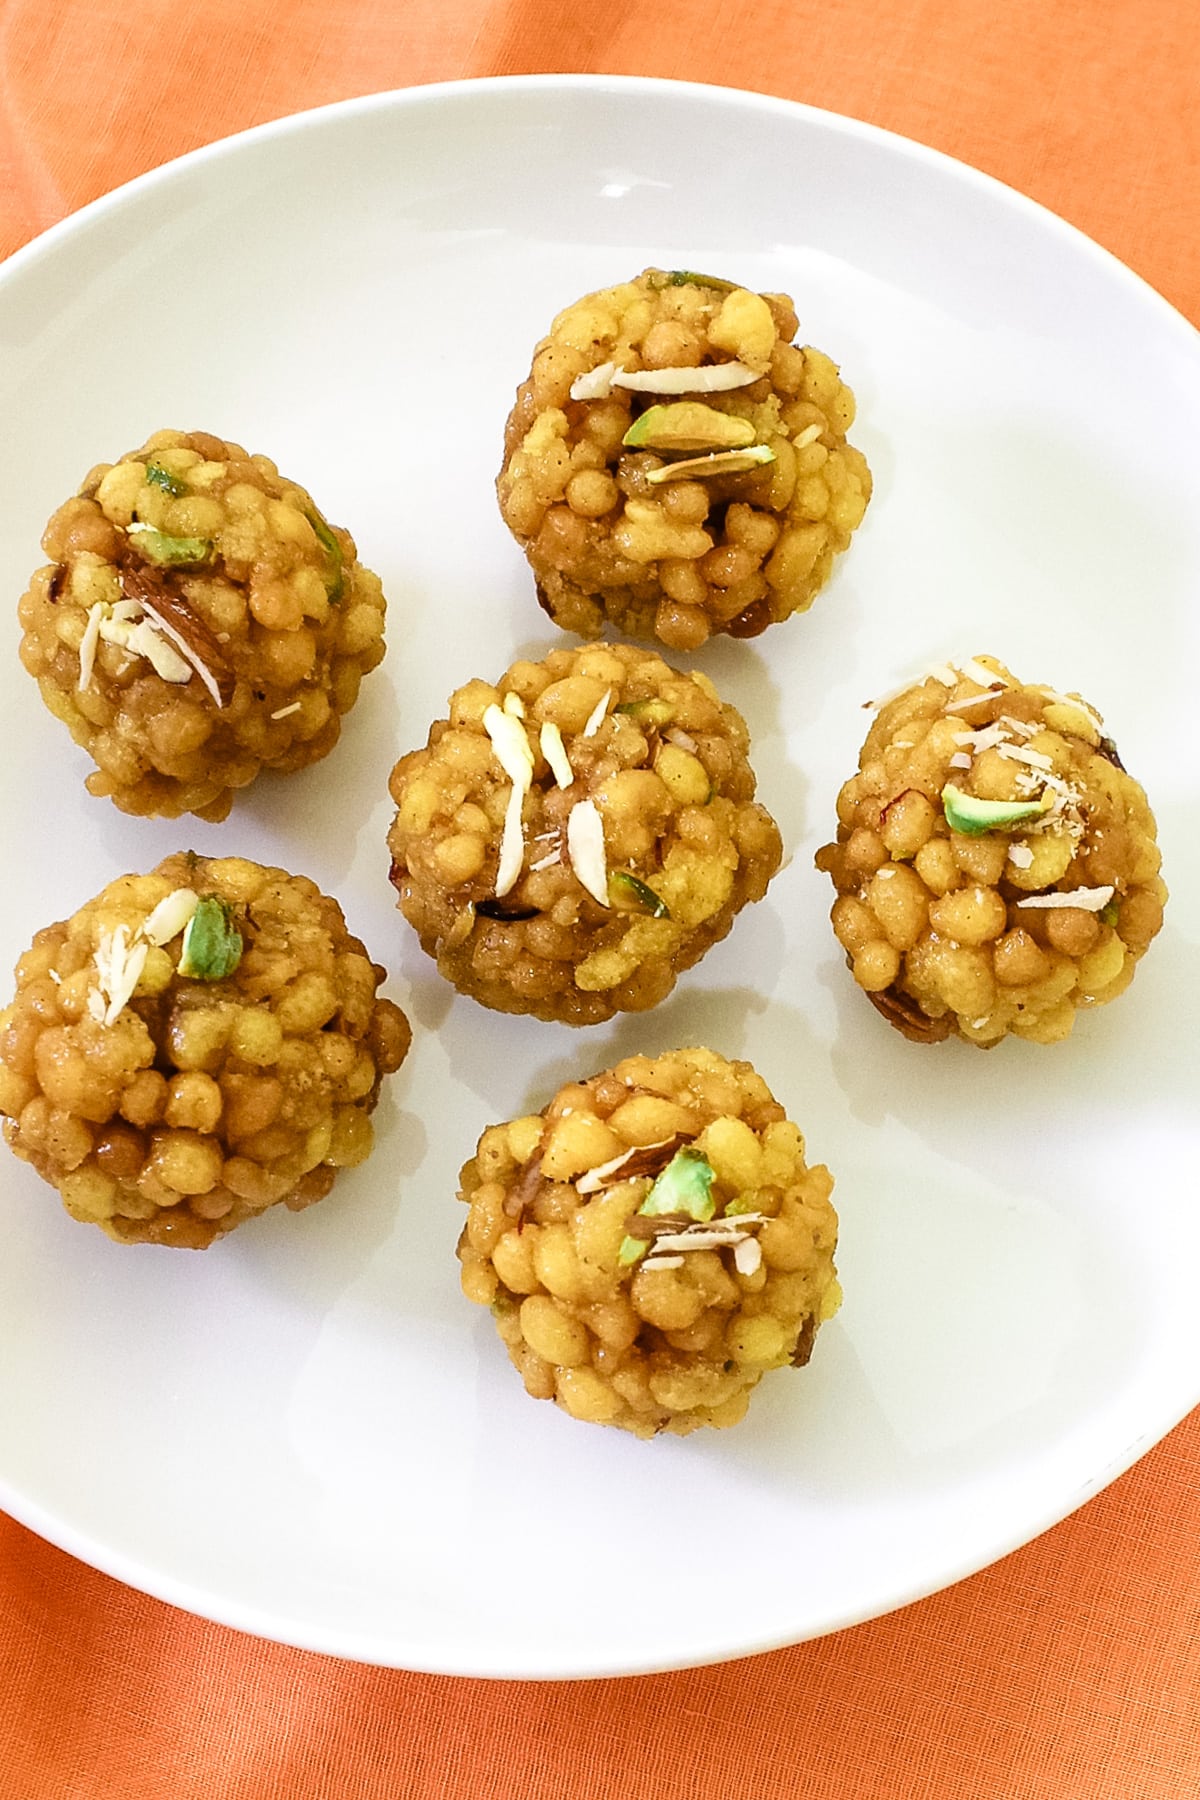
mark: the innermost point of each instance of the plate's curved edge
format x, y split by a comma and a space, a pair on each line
352, 1647
439, 91
348, 1644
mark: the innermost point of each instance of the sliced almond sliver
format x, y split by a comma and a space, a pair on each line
643, 1159
585, 849
144, 639
594, 384
170, 916
511, 745
1082, 899
555, 753
709, 378
512, 843
172, 615
88, 644
597, 715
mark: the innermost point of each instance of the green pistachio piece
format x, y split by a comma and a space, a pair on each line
683, 1187
973, 817
742, 1203
669, 278
622, 887
632, 1250
162, 478
1111, 913
169, 552
212, 945
335, 579
687, 426
648, 712
721, 462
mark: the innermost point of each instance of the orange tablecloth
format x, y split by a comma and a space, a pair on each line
1071, 1671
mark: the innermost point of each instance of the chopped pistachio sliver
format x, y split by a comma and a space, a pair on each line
1111, 913
685, 1186
648, 712
972, 817
631, 1251
167, 551
335, 577
628, 887
724, 462
212, 944
162, 478
669, 278
688, 426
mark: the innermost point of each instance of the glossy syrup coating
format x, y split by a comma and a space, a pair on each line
199, 621
644, 507
633, 1302
172, 1086
635, 844
996, 867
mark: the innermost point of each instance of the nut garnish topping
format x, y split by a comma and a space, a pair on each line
585, 849
1083, 899
555, 752
722, 462
711, 378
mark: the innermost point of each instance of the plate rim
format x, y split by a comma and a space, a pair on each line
364, 1647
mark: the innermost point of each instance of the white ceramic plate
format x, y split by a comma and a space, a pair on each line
307, 1432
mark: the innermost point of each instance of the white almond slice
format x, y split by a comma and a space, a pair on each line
1022, 727
512, 843
1023, 754
555, 752
594, 384
712, 378
585, 849
185, 649
514, 706
1020, 855
960, 760
946, 673
545, 862
663, 1262
170, 916
808, 436
164, 659
990, 736
977, 671
939, 672
606, 1174
285, 712
511, 746
683, 739
89, 643
597, 715
96, 1005
1082, 899
126, 609
747, 1258
712, 1239
954, 706
128, 976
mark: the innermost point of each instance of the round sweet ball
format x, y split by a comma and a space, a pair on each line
652, 1243
194, 1046
576, 834
199, 621
675, 466
996, 867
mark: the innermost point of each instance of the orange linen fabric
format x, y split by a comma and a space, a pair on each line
1070, 1671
